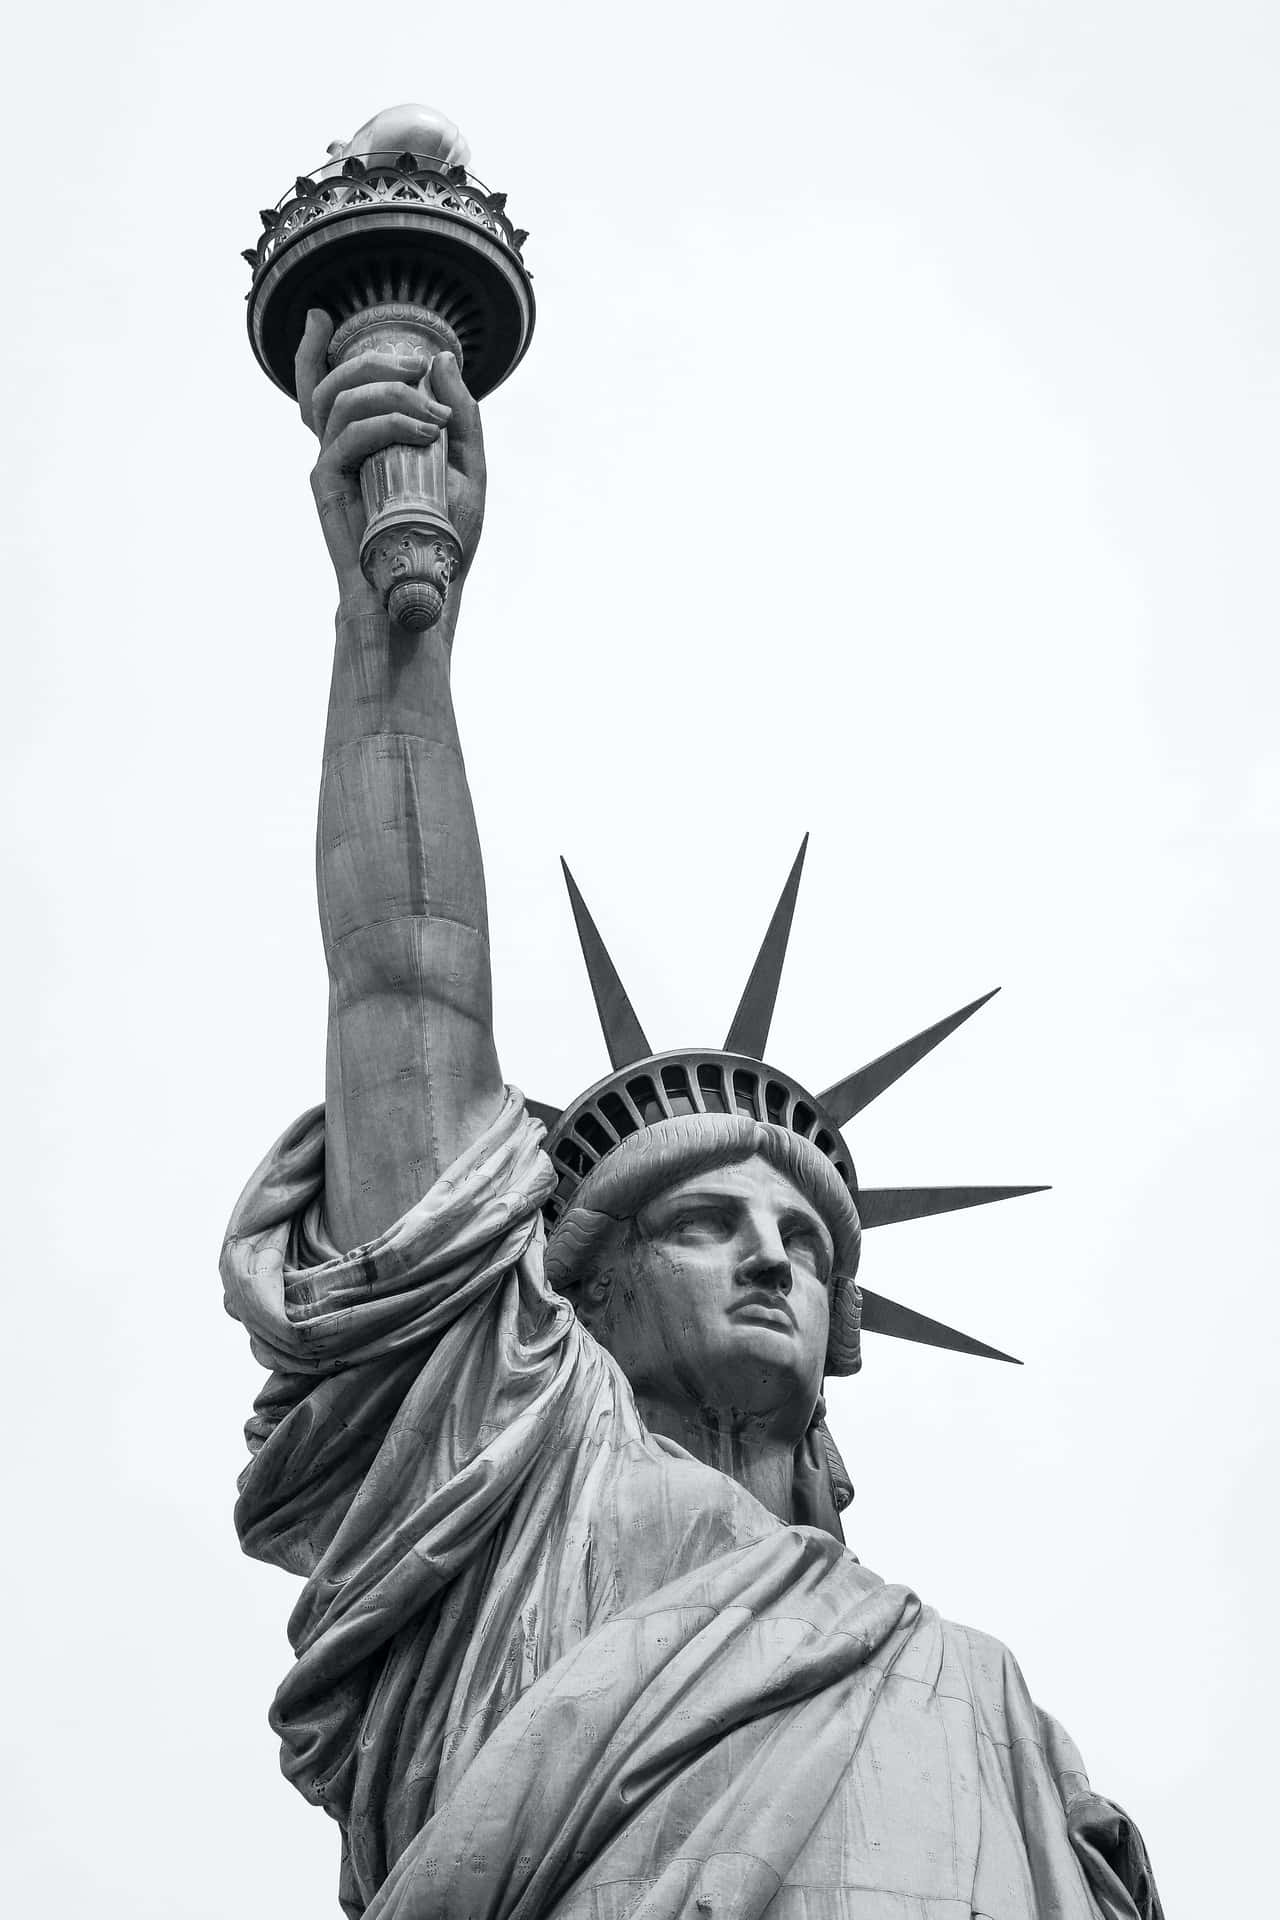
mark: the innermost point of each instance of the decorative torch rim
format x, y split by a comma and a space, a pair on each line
428, 210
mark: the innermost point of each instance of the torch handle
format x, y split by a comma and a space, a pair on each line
410, 552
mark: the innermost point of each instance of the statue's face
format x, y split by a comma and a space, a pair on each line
719, 1299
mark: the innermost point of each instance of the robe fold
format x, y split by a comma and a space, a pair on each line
550, 1665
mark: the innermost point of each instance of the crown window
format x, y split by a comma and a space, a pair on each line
645, 1095
711, 1082
618, 1114
679, 1098
588, 1128
746, 1093
574, 1158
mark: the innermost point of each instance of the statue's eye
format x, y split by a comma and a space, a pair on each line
703, 1223
806, 1243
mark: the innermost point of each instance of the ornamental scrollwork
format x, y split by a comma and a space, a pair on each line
319, 199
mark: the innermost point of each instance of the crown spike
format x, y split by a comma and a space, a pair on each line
858, 1090
749, 1033
886, 1316
623, 1034
889, 1206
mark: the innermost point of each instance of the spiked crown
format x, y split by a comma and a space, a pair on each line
646, 1088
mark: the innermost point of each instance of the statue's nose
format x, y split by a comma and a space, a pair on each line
766, 1264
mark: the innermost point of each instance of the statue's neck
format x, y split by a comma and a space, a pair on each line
756, 1459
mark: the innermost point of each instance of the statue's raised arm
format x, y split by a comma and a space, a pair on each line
412, 1074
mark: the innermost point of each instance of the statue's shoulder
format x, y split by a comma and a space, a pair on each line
987, 1660
991, 1674
973, 1670
982, 1671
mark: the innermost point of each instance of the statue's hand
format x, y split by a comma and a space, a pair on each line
372, 402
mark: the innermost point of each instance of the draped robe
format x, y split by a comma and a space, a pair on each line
548, 1664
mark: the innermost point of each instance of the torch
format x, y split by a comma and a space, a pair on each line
408, 253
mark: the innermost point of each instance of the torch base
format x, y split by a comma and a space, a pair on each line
415, 605
410, 556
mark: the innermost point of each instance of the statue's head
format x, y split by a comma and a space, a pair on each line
706, 1219
715, 1257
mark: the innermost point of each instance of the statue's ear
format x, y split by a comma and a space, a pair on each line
588, 1304
589, 1294
585, 1261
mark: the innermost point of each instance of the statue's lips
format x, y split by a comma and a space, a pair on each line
764, 1310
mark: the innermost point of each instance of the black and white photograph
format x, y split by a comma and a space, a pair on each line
641, 834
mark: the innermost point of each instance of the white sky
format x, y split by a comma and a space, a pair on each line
895, 458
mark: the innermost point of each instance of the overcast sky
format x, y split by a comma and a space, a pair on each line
895, 458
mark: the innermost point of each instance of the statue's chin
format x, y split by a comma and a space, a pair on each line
758, 1336
757, 1386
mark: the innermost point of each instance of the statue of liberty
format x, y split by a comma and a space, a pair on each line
543, 1436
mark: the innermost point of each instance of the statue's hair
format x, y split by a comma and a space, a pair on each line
670, 1151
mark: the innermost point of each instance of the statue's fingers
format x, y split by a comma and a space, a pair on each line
466, 437
365, 369
383, 396
310, 361
348, 450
